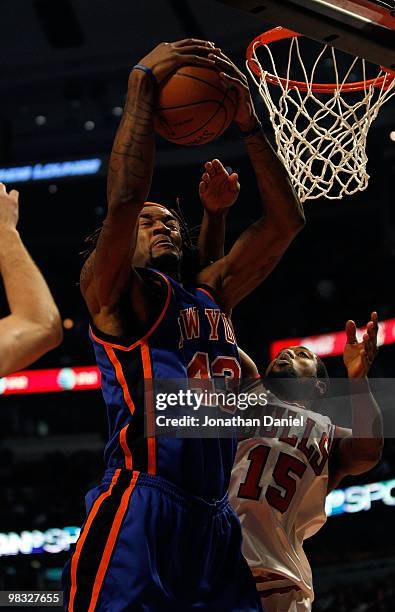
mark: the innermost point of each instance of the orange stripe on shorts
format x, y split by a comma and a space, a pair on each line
101, 572
83, 536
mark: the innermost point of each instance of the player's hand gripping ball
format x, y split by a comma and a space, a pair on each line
195, 106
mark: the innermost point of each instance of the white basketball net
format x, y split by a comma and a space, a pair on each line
321, 138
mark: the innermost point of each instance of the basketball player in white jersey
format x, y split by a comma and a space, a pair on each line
280, 480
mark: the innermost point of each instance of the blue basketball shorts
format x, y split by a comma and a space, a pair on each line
148, 546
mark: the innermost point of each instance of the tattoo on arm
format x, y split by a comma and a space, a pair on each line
134, 135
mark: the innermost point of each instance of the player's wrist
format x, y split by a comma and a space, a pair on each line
359, 385
363, 375
145, 70
138, 75
249, 127
218, 213
9, 236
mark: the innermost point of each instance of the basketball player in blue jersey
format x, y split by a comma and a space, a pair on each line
160, 534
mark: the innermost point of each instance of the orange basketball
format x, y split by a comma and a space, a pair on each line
195, 106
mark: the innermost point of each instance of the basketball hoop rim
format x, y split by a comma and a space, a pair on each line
280, 33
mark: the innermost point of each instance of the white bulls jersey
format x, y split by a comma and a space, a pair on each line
278, 488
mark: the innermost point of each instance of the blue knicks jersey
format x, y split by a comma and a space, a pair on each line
190, 338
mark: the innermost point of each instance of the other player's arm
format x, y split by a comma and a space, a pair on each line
34, 325
248, 366
129, 178
260, 247
218, 191
358, 450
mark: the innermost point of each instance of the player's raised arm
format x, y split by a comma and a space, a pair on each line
359, 450
218, 191
34, 325
107, 273
260, 247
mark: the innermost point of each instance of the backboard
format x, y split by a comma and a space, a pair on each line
363, 28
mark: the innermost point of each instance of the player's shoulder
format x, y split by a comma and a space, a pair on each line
249, 369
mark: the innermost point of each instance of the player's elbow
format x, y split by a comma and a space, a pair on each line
373, 458
368, 455
300, 221
294, 223
51, 330
377, 453
287, 227
56, 330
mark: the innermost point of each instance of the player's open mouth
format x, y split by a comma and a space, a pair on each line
164, 243
284, 360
